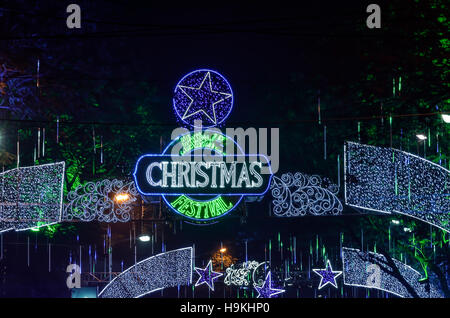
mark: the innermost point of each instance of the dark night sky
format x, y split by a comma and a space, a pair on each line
256, 46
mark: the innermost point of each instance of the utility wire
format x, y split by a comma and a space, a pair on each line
284, 122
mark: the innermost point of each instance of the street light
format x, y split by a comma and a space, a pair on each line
421, 137
122, 197
446, 118
144, 238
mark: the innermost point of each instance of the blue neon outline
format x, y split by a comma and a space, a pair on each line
203, 70
241, 195
208, 194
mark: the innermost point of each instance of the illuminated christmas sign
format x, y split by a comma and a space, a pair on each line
164, 174
199, 181
195, 176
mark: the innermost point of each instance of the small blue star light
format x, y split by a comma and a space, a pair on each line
203, 95
266, 290
207, 275
327, 275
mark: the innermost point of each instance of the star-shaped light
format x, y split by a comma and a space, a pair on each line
266, 290
207, 275
327, 275
203, 99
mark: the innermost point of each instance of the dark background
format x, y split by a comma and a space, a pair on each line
278, 57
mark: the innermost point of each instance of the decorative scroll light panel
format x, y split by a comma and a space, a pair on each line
96, 201
372, 270
31, 196
299, 194
241, 274
168, 269
389, 180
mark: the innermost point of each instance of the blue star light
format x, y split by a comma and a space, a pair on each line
327, 275
266, 290
207, 275
203, 95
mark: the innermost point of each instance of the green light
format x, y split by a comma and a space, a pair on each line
201, 209
389, 231
279, 240
317, 244
38, 225
396, 184
200, 140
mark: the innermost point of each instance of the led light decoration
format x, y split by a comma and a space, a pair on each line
198, 175
207, 139
31, 197
203, 95
202, 186
239, 274
392, 181
207, 276
266, 290
99, 201
372, 270
327, 276
168, 269
299, 194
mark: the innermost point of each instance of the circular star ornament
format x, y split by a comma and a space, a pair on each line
207, 276
266, 290
203, 95
327, 275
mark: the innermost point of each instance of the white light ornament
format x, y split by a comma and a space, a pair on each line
266, 290
240, 274
327, 276
31, 197
207, 276
372, 270
104, 201
299, 194
168, 269
392, 181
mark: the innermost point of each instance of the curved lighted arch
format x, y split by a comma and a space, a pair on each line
388, 180
168, 269
357, 272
